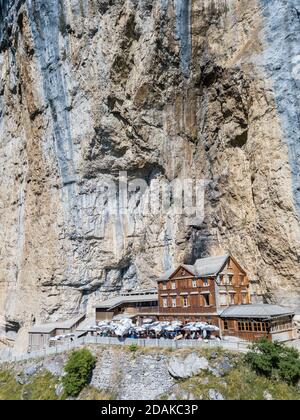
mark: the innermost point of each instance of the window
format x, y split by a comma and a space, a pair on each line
185, 301
232, 299
223, 299
194, 283
249, 326
244, 298
230, 278
174, 302
174, 285
165, 302
206, 299
226, 326
164, 286
245, 326
257, 327
205, 282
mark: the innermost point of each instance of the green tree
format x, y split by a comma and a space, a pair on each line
275, 361
79, 369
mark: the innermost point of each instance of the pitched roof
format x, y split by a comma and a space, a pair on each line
120, 300
62, 325
256, 311
203, 267
210, 266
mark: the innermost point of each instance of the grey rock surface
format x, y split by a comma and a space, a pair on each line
183, 368
215, 395
268, 396
59, 390
222, 368
140, 378
32, 370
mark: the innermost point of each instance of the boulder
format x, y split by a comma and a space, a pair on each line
214, 395
268, 396
222, 368
192, 365
20, 380
59, 390
31, 370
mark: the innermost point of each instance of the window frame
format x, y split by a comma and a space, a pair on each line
185, 301
207, 302
205, 282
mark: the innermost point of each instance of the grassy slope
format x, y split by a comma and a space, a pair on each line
40, 387
239, 384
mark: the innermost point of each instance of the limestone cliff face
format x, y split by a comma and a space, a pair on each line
167, 89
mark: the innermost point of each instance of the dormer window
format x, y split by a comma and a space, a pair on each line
164, 286
194, 283
205, 282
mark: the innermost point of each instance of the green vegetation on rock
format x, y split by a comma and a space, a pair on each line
40, 387
9, 388
242, 382
79, 369
133, 347
275, 361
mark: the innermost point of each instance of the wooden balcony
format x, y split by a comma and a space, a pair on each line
189, 310
184, 289
155, 310
145, 310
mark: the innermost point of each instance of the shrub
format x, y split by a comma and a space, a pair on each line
79, 369
275, 361
133, 347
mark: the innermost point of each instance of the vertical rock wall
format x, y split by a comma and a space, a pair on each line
164, 90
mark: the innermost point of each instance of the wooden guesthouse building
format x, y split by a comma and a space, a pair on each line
200, 292
215, 290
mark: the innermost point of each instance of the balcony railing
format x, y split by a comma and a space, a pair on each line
177, 310
172, 311
146, 310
